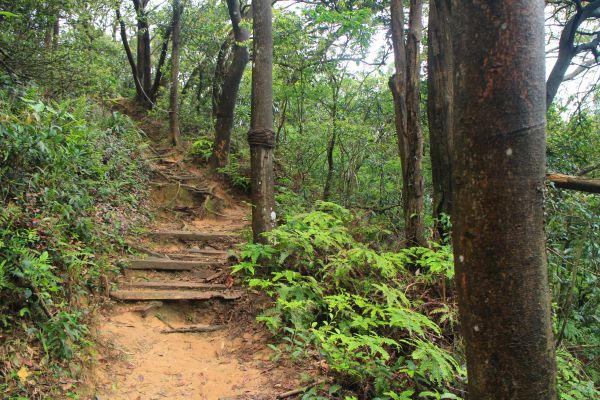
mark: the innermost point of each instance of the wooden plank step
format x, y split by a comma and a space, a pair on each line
198, 257
147, 251
166, 295
192, 188
193, 236
209, 251
168, 285
170, 265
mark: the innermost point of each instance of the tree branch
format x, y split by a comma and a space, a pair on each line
574, 183
567, 49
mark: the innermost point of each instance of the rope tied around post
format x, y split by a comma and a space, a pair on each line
262, 137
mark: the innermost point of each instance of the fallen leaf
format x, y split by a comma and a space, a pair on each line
23, 374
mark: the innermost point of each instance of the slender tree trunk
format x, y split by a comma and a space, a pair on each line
161, 61
331, 143
405, 89
282, 120
261, 136
224, 106
174, 132
115, 29
415, 196
56, 31
439, 108
499, 161
48, 38
144, 53
147, 54
138, 86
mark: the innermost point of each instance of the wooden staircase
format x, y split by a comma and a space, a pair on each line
189, 274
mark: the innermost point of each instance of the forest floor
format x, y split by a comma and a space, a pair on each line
137, 359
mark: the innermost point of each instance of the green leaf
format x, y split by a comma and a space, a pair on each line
38, 107
8, 14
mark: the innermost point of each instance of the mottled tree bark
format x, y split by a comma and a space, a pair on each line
439, 108
261, 136
405, 89
229, 76
499, 161
174, 132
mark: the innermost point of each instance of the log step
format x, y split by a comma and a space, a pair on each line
193, 236
169, 285
170, 265
166, 295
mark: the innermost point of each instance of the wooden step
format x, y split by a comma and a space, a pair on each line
194, 236
211, 252
170, 265
212, 257
169, 285
192, 188
166, 295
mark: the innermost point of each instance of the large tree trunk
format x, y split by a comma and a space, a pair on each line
498, 234
439, 108
405, 89
261, 136
174, 132
225, 97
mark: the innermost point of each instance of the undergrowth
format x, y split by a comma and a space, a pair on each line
384, 324
70, 179
358, 312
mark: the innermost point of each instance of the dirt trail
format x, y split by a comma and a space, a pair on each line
137, 360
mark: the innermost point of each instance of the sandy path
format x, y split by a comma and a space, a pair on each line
136, 361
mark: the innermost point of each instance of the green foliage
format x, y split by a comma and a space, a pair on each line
63, 334
235, 173
349, 302
81, 60
573, 383
70, 177
201, 149
573, 231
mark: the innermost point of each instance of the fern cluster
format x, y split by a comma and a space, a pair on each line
348, 305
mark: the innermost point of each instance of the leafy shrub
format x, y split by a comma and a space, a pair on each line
201, 149
349, 302
573, 383
234, 174
70, 179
